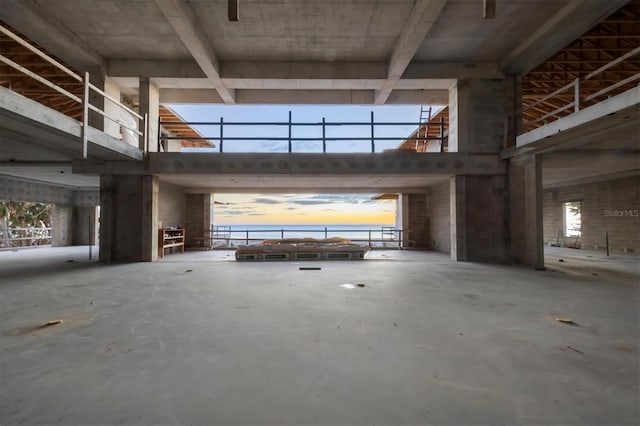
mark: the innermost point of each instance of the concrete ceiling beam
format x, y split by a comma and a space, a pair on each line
422, 17
182, 19
453, 70
569, 23
305, 96
186, 68
38, 25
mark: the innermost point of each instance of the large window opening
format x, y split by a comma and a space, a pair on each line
24, 224
572, 218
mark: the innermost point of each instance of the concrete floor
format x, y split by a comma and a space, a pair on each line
200, 339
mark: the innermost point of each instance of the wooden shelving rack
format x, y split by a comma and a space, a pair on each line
170, 237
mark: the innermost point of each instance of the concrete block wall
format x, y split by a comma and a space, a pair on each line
478, 218
22, 190
199, 219
61, 225
417, 221
611, 205
172, 206
128, 218
438, 217
84, 229
476, 115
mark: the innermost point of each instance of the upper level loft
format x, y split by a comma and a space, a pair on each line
107, 97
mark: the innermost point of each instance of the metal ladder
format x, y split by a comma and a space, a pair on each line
423, 130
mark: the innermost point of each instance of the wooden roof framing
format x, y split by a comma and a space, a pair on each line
610, 39
32, 89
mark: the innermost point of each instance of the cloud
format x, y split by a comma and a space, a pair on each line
310, 202
262, 200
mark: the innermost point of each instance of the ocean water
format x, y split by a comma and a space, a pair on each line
253, 234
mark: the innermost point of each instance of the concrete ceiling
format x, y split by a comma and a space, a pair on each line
55, 174
303, 51
302, 184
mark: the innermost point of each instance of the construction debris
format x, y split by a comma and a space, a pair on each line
566, 321
360, 284
309, 268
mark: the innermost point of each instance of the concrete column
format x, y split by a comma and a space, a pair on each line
110, 127
478, 218
61, 225
513, 110
526, 242
199, 219
85, 229
476, 115
97, 78
150, 104
412, 216
128, 218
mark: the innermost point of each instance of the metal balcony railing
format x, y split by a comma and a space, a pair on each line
575, 88
383, 237
289, 140
24, 237
140, 129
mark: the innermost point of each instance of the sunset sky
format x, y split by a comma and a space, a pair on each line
310, 209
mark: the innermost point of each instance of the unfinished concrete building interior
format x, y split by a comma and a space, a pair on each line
513, 299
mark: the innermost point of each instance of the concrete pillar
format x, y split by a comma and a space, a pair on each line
513, 110
412, 217
85, 229
478, 218
61, 225
110, 127
526, 242
97, 78
199, 219
476, 115
128, 218
150, 104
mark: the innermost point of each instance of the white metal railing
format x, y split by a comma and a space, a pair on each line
386, 237
575, 86
24, 237
142, 128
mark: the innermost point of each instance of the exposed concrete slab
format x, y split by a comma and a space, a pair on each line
229, 343
301, 40
26, 122
189, 29
326, 164
620, 112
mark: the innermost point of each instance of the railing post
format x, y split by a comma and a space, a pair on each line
222, 135
576, 95
90, 238
369, 238
146, 132
85, 115
159, 142
247, 237
282, 234
324, 136
441, 134
289, 131
325, 233
373, 143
